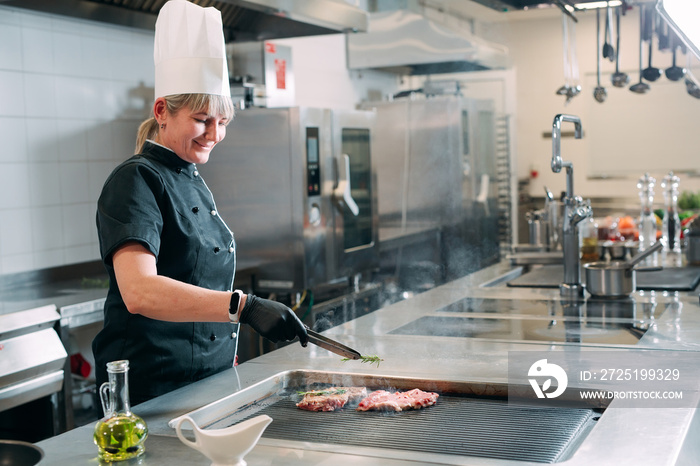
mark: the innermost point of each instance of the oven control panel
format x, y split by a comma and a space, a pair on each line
313, 171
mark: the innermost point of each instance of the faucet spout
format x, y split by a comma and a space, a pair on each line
575, 211
581, 211
557, 162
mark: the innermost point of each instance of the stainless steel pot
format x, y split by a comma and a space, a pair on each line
555, 220
692, 248
538, 228
18, 453
614, 250
610, 279
616, 279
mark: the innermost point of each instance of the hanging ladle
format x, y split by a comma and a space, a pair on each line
651, 73
599, 93
663, 34
619, 79
674, 72
692, 88
691, 83
563, 90
575, 88
640, 87
608, 49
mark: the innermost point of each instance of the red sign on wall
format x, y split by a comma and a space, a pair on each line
281, 71
270, 47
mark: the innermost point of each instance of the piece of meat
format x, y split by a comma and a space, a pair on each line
355, 394
382, 400
331, 399
312, 402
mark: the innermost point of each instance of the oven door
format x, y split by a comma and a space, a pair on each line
355, 216
478, 144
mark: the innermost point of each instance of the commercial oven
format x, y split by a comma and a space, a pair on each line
297, 188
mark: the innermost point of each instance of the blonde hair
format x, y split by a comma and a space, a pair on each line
211, 104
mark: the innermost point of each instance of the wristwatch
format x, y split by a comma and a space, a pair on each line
234, 307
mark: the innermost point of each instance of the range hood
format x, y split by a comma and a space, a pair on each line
408, 43
243, 20
514, 5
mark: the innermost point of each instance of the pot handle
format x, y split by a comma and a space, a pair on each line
648, 269
641, 255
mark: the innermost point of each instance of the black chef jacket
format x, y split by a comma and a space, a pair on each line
162, 202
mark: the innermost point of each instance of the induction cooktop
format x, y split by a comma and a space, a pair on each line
600, 322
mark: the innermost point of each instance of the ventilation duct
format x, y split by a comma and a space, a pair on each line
243, 20
408, 43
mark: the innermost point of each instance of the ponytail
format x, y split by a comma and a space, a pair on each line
147, 130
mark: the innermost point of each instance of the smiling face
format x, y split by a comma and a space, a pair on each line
191, 134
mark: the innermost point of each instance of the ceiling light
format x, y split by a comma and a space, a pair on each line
682, 16
593, 5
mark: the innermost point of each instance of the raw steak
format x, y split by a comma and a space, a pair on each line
381, 400
331, 399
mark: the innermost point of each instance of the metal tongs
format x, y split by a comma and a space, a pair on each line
332, 345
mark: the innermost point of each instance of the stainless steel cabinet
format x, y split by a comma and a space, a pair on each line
436, 170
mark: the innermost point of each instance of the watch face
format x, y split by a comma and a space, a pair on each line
235, 302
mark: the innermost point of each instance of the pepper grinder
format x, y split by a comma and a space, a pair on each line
647, 220
671, 225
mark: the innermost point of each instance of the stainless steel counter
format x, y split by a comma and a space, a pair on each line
639, 436
75, 304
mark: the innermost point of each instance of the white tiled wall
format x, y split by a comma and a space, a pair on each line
72, 94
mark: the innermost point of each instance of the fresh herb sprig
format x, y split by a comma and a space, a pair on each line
332, 391
367, 359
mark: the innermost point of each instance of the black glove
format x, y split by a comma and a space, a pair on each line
273, 320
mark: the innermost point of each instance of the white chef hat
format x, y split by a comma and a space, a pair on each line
189, 51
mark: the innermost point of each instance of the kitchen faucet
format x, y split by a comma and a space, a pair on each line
575, 211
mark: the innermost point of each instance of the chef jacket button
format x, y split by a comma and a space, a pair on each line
234, 335
217, 249
212, 337
195, 209
231, 249
196, 173
213, 212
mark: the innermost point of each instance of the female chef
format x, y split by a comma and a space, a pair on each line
171, 309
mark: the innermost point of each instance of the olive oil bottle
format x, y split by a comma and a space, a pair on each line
120, 434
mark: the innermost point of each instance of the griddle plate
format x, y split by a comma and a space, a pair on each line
456, 425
